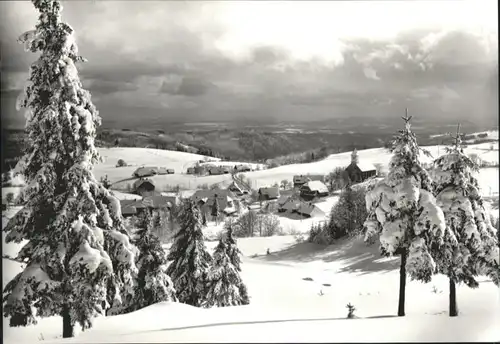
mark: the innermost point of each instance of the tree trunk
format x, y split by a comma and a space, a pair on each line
453, 299
68, 328
402, 284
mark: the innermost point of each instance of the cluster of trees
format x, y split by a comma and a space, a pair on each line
300, 158
346, 218
200, 279
435, 225
80, 260
252, 223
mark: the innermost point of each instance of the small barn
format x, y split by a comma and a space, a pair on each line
360, 171
143, 185
313, 189
143, 171
270, 193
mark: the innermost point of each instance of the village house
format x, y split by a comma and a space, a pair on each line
313, 189
288, 203
269, 193
164, 170
206, 198
359, 171
143, 171
300, 180
307, 209
142, 186
131, 207
136, 207
197, 170
215, 170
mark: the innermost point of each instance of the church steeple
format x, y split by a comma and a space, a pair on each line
354, 156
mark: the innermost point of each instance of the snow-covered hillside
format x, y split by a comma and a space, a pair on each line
135, 157
299, 294
374, 156
179, 161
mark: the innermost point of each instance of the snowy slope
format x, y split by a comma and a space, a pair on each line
285, 307
136, 157
180, 161
373, 156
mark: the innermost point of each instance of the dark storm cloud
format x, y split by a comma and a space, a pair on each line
165, 55
188, 86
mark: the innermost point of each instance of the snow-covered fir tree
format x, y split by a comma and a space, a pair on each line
152, 283
78, 258
189, 257
215, 208
471, 244
348, 214
234, 254
223, 280
402, 212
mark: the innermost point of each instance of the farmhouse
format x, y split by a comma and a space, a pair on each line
158, 202
135, 207
215, 170
313, 189
288, 203
145, 172
267, 194
309, 210
164, 170
143, 185
299, 180
131, 207
205, 200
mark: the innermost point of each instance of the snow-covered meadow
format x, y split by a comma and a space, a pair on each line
299, 293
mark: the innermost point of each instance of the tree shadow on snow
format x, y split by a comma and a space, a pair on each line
355, 255
190, 327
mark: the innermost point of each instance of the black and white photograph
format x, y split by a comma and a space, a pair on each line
249, 171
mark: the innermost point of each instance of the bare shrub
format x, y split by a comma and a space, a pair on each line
270, 225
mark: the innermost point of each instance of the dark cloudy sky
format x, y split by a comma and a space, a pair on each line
202, 60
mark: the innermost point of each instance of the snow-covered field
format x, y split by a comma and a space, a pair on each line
286, 308
180, 161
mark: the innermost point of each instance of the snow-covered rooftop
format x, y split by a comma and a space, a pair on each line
316, 185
